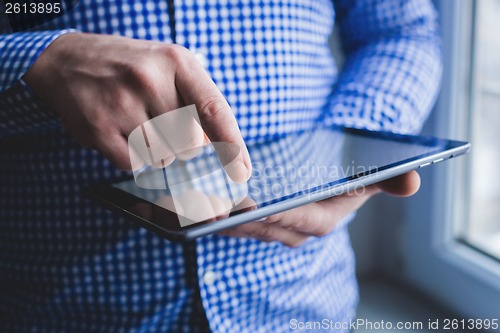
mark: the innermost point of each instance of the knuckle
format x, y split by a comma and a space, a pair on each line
177, 54
214, 108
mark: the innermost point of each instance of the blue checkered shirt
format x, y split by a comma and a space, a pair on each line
69, 266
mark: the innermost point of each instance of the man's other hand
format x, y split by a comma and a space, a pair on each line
295, 226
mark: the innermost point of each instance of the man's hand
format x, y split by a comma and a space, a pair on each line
103, 87
295, 226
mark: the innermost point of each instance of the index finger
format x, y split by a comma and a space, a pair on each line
217, 120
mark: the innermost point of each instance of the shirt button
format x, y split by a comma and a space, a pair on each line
209, 278
201, 59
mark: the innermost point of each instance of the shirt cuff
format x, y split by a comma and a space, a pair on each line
20, 50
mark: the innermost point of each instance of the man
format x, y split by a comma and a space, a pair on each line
75, 87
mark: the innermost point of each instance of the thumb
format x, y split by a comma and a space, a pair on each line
402, 186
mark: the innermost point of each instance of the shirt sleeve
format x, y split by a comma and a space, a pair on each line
20, 110
19, 51
392, 69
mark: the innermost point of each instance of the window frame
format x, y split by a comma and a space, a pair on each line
461, 277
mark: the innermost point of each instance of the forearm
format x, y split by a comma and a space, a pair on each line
393, 65
389, 85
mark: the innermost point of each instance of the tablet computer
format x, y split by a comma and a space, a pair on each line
196, 197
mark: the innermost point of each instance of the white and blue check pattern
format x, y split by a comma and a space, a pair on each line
69, 266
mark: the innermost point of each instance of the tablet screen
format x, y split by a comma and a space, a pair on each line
190, 192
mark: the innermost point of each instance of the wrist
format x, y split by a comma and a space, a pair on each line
50, 58
42, 74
